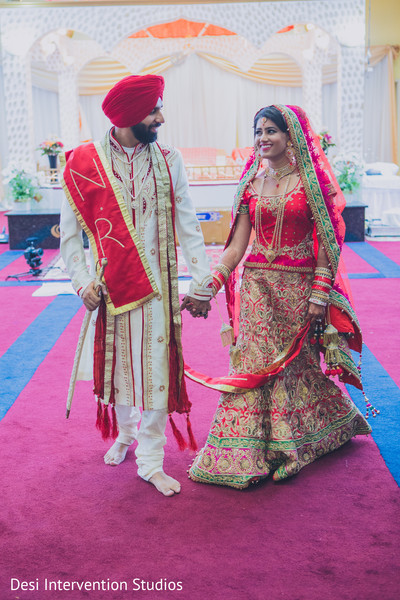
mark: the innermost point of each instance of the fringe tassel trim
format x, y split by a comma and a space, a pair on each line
105, 424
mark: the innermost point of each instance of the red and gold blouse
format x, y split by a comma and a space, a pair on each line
288, 246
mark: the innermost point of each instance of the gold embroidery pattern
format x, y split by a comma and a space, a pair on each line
299, 252
272, 266
220, 462
296, 417
147, 354
167, 251
122, 327
170, 153
243, 183
273, 308
109, 355
343, 304
148, 199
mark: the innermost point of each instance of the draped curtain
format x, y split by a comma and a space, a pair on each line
46, 120
377, 116
209, 104
204, 106
382, 63
3, 129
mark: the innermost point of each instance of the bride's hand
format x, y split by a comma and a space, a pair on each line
315, 313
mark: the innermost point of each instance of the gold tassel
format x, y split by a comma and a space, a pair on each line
331, 336
332, 354
226, 332
227, 335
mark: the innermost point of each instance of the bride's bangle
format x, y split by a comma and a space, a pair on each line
318, 301
220, 277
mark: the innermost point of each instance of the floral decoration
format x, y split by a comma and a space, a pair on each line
22, 181
51, 146
326, 140
348, 170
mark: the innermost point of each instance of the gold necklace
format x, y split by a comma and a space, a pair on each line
132, 184
273, 249
278, 174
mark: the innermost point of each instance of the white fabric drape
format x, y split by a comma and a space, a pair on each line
377, 126
329, 109
209, 107
204, 106
3, 125
46, 119
91, 114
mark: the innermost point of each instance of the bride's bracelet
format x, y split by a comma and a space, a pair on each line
323, 272
220, 277
321, 286
318, 301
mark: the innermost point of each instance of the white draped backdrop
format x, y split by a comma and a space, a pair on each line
208, 107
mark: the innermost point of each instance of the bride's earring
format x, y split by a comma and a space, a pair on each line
290, 153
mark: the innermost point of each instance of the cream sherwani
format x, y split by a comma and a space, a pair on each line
141, 374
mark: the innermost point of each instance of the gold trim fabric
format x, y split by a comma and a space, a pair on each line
295, 418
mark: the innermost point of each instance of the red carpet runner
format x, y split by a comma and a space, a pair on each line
331, 532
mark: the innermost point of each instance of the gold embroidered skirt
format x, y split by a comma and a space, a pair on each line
298, 416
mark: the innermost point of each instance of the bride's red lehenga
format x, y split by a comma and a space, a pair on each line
298, 414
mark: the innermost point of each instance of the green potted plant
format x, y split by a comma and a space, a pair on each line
23, 185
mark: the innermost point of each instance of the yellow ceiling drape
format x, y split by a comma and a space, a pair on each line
101, 74
378, 53
273, 70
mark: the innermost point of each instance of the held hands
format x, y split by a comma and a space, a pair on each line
92, 295
197, 308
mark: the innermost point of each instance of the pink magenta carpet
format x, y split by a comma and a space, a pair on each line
354, 263
331, 532
390, 249
16, 320
377, 305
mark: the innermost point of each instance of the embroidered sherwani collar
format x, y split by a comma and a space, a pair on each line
117, 147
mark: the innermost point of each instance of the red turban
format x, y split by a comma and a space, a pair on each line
132, 99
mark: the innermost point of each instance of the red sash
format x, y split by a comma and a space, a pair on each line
242, 382
96, 199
